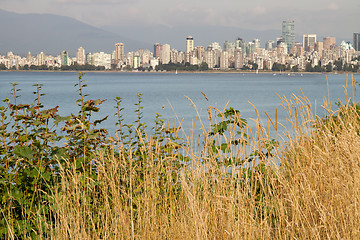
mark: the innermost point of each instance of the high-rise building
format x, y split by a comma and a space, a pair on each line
309, 41
165, 54
200, 52
119, 52
41, 58
270, 45
64, 58
288, 33
189, 44
257, 43
80, 56
238, 59
224, 60
89, 59
102, 59
319, 46
357, 41
328, 42
157, 50
228, 45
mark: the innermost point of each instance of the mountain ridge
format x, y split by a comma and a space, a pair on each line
53, 33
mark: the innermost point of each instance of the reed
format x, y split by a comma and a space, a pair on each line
238, 184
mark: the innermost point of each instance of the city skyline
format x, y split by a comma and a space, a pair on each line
310, 55
321, 17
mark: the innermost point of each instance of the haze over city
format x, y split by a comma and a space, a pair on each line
323, 17
240, 35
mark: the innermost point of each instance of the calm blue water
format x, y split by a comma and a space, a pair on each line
165, 92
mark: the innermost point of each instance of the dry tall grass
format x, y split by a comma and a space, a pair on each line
308, 190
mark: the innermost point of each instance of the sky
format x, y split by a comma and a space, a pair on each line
323, 17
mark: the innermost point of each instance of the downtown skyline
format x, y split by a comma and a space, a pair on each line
311, 53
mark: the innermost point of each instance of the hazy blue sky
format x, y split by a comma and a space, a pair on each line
323, 17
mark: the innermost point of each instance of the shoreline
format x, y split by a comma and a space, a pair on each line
186, 72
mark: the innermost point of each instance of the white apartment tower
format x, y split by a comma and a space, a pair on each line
80, 56
189, 44
41, 59
165, 54
119, 52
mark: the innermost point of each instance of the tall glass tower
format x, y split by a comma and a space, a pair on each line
288, 33
357, 41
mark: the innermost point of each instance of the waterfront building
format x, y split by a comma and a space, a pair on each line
80, 56
224, 60
154, 62
89, 59
165, 54
136, 63
200, 52
40, 59
102, 59
238, 59
145, 56
319, 46
328, 42
356, 41
309, 41
28, 57
64, 58
189, 44
157, 50
210, 57
119, 52
288, 33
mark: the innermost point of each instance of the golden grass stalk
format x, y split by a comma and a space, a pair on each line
309, 189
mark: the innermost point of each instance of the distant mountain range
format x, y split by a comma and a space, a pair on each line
52, 34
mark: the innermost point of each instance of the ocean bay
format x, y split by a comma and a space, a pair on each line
165, 93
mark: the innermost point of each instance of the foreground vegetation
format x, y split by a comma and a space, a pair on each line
231, 182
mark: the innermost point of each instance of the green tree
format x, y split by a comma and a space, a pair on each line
2, 66
203, 66
295, 68
329, 67
277, 67
338, 65
308, 67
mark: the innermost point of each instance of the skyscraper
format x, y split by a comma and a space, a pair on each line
119, 52
357, 41
41, 58
257, 43
165, 54
270, 45
288, 33
328, 42
309, 41
157, 50
64, 58
189, 44
80, 56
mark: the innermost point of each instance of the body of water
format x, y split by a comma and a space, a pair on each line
165, 93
